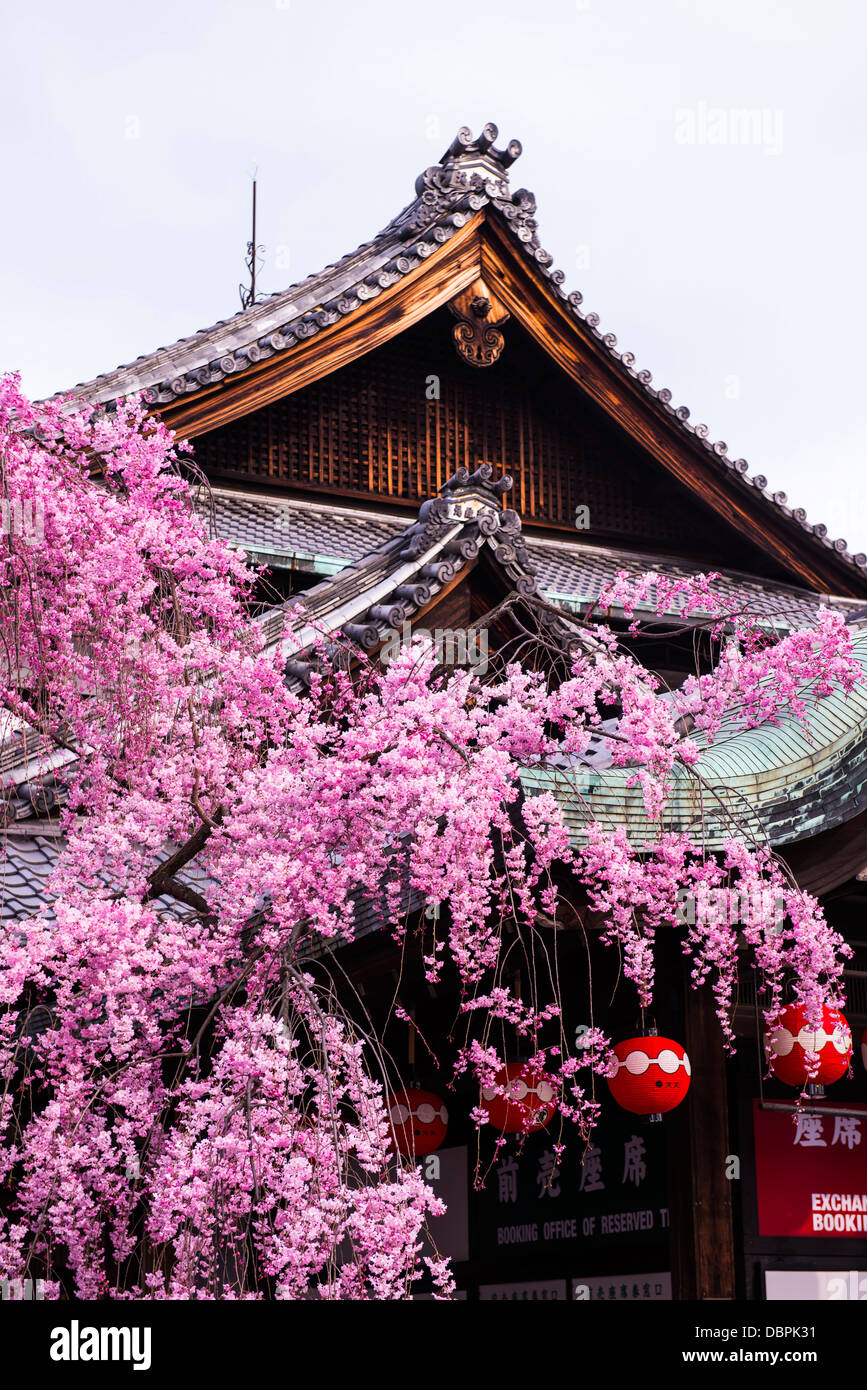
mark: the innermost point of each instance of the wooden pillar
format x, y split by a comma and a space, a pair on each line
700, 1206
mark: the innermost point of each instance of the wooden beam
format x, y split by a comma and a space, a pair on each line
432, 284
697, 1143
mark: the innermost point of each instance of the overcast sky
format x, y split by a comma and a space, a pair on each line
724, 250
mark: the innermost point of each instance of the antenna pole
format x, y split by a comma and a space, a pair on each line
248, 296
253, 257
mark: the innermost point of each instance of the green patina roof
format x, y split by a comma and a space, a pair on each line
779, 781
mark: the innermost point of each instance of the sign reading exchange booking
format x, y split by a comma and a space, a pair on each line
811, 1174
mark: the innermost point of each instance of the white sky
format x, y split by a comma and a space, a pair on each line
731, 267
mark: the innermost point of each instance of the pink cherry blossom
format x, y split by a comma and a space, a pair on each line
199, 1117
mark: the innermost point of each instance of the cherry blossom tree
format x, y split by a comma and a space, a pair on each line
188, 1111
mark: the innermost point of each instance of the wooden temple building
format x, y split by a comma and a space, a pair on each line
426, 427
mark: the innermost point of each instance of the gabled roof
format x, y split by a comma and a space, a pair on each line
371, 598
433, 249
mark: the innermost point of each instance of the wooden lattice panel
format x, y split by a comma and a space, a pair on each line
368, 430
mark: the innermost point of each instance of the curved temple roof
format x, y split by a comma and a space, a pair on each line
778, 782
471, 180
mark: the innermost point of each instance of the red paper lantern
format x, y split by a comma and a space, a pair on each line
790, 1039
529, 1100
420, 1121
649, 1075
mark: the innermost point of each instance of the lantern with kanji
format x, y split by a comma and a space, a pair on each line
649, 1075
522, 1099
420, 1121
789, 1040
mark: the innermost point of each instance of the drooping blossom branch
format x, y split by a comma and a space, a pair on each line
188, 1110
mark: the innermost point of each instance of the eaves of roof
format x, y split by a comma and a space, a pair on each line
325, 539
777, 783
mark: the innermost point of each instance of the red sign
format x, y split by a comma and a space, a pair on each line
811, 1174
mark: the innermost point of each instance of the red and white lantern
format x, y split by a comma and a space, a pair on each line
789, 1040
420, 1121
649, 1075
528, 1101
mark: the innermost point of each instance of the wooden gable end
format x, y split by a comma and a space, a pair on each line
392, 425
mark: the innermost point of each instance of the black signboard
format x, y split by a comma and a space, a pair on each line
612, 1194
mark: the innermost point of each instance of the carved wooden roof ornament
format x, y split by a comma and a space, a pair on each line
480, 316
